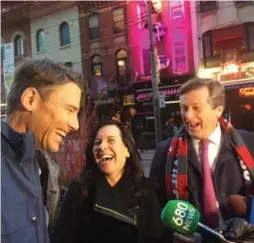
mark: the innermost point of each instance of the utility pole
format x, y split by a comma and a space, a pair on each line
155, 76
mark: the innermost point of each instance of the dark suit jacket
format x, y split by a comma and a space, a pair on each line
227, 177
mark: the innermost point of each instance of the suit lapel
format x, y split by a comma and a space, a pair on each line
226, 153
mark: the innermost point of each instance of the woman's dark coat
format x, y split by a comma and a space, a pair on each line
110, 214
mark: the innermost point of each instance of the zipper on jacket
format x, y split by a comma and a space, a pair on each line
114, 214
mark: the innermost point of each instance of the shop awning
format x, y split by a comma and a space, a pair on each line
228, 38
238, 84
148, 94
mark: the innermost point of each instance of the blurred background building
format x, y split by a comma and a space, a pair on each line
108, 41
224, 50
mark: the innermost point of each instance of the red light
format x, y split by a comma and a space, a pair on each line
247, 107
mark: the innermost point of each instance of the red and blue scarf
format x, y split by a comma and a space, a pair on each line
176, 175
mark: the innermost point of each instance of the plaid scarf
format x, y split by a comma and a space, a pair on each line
176, 176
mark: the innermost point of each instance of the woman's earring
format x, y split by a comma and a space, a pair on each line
128, 154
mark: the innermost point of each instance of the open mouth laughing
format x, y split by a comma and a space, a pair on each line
104, 159
193, 126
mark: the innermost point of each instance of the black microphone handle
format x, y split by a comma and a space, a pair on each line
212, 232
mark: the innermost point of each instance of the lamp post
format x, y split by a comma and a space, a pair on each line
155, 76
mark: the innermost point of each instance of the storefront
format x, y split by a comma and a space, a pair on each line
144, 119
238, 79
240, 104
239, 108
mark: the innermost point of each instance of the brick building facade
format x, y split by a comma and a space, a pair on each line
100, 41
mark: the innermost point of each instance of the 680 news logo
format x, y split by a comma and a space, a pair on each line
183, 216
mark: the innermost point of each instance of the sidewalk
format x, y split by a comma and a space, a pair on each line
147, 156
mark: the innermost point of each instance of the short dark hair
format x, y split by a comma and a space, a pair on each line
40, 74
133, 163
215, 88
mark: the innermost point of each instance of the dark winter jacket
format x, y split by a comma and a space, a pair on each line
110, 214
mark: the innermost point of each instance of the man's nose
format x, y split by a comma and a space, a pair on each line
188, 114
74, 123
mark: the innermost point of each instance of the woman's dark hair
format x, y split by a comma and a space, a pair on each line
133, 163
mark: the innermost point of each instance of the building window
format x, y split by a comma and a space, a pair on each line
250, 37
177, 12
118, 20
180, 62
207, 44
141, 16
94, 27
207, 6
40, 41
146, 62
96, 65
64, 34
121, 62
18, 46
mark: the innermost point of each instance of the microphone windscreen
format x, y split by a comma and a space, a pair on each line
237, 204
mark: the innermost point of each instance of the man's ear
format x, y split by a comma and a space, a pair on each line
29, 98
219, 110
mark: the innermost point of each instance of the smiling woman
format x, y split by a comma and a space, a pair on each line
110, 152
115, 140
111, 197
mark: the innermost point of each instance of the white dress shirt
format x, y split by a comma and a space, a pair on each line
213, 147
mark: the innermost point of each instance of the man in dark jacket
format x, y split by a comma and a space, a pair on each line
208, 159
42, 107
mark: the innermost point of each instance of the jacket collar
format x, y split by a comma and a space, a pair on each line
193, 158
23, 144
110, 201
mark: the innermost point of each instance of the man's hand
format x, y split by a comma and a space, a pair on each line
237, 229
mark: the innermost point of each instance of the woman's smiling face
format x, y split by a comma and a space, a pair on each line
109, 151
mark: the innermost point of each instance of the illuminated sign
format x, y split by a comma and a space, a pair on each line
157, 5
246, 92
230, 69
163, 62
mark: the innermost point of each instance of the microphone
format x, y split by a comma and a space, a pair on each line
241, 206
237, 205
184, 218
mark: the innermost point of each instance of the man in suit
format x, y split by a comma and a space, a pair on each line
208, 160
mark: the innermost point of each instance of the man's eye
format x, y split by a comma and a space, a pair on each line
70, 110
96, 143
197, 108
183, 108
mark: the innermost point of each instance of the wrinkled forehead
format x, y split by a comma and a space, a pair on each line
67, 92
